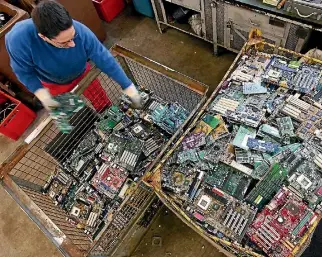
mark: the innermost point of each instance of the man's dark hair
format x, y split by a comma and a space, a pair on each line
51, 18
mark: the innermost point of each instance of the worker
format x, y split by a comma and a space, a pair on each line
49, 53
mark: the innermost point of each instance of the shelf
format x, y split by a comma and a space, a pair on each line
183, 28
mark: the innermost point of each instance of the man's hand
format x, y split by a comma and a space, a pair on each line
134, 95
46, 98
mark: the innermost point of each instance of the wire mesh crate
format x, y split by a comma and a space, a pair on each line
154, 177
26, 172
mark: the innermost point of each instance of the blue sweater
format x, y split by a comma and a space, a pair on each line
34, 60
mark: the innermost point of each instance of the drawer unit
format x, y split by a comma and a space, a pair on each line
239, 22
232, 25
190, 4
247, 18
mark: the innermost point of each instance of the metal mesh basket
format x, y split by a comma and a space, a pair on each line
27, 171
153, 178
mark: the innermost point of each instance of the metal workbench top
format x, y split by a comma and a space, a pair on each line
259, 5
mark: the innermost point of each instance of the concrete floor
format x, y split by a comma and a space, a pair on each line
177, 240
19, 236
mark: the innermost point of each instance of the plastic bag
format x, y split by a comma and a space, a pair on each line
195, 23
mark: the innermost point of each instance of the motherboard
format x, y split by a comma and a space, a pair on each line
250, 169
104, 160
279, 227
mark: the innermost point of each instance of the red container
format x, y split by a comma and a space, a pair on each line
18, 120
108, 9
97, 96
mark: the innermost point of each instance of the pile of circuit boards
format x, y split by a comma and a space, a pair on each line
250, 169
96, 176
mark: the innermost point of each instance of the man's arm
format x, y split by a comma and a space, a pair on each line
103, 59
22, 66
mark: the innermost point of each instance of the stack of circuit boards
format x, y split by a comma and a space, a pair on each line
95, 178
69, 105
250, 169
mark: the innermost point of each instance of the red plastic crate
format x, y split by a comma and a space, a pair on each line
108, 9
97, 96
18, 120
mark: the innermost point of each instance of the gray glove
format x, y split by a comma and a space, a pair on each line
134, 95
46, 98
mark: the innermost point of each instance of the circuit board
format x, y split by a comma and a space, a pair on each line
221, 214
260, 136
228, 179
107, 157
109, 179
267, 188
278, 229
69, 105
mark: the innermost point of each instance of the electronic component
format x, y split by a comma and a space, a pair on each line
212, 121
105, 155
243, 134
69, 105
168, 117
215, 151
250, 88
225, 104
278, 229
306, 79
131, 154
266, 129
262, 146
219, 132
195, 184
109, 179
286, 126
248, 114
266, 138
204, 202
150, 146
250, 157
268, 187
193, 141
115, 144
223, 213
229, 180
111, 118
140, 131
189, 155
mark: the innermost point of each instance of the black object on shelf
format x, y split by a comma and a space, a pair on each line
181, 15
4, 18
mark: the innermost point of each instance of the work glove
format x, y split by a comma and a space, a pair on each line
313, 53
46, 98
134, 95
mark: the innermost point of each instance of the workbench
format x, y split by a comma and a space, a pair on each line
227, 24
